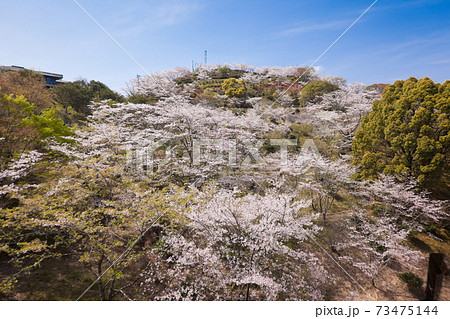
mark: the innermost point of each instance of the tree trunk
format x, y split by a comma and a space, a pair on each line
101, 288
247, 295
436, 270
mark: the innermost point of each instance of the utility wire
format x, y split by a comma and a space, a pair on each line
121, 256
324, 52
120, 46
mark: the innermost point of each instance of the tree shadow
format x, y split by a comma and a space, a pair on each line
420, 244
417, 292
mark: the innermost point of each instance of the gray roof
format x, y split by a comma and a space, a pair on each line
21, 68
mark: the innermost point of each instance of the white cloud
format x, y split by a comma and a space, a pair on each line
413, 45
175, 11
445, 61
156, 14
308, 28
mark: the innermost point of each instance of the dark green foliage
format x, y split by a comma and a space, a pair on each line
407, 132
79, 95
411, 279
103, 92
431, 228
141, 99
224, 69
225, 73
313, 90
75, 94
269, 148
379, 248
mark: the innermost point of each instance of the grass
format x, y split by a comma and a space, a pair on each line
434, 246
61, 279
411, 279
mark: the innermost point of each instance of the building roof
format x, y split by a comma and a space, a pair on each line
21, 68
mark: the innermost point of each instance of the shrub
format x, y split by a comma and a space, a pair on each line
301, 130
224, 69
234, 87
142, 99
410, 279
313, 90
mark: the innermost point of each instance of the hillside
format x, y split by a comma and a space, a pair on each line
227, 183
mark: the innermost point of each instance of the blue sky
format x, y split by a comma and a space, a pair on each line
394, 40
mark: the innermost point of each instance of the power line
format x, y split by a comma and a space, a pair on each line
118, 44
121, 256
326, 50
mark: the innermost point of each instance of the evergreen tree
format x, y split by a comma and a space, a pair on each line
407, 132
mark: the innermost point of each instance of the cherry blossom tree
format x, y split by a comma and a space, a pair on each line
335, 119
20, 167
379, 242
193, 197
172, 125
158, 84
253, 247
404, 202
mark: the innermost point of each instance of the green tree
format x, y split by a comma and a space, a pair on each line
48, 125
94, 212
23, 126
141, 99
407, 132
74, 94
28, 84
79, 94
102, 92
234, 87
315, 89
